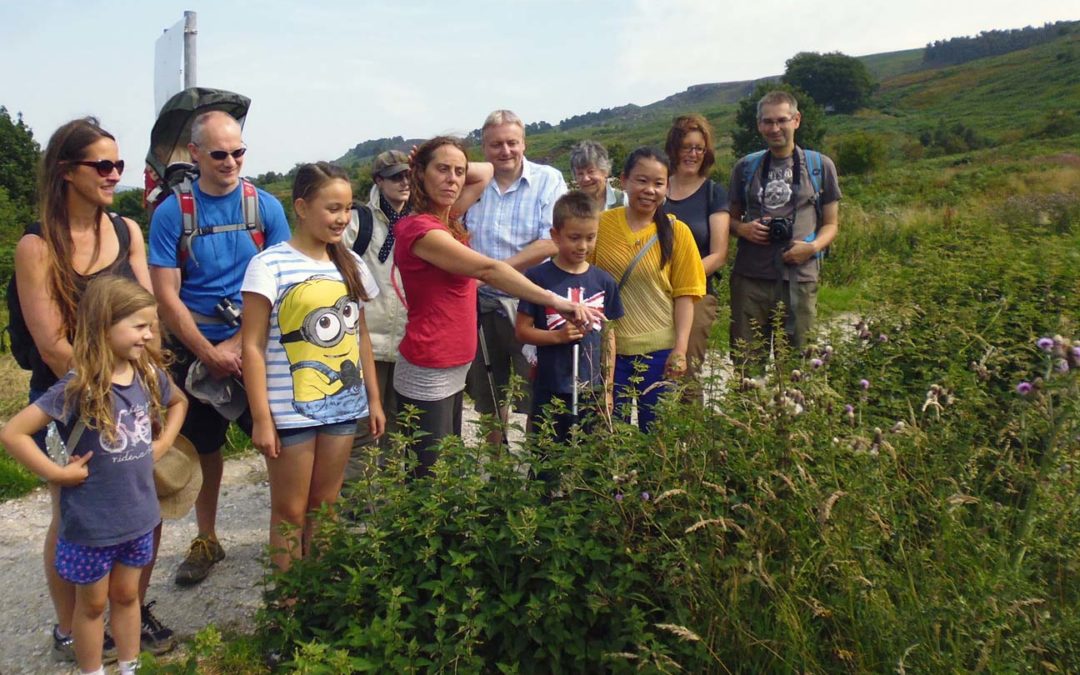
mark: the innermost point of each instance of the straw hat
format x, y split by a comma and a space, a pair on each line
178, 477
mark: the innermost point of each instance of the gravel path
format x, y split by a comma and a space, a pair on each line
228, 598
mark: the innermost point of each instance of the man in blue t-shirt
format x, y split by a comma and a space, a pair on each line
197, 283
576, 220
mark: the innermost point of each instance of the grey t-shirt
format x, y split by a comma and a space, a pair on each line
118, 501
773, 197
695, 210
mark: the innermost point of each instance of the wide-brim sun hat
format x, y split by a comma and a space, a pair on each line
178, 479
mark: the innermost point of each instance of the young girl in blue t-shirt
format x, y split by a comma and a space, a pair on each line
106, 408
308, 367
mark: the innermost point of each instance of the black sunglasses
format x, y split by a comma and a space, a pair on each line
104, 166
220, 155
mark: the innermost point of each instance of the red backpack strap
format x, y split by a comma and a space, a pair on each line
252, 217
186, 200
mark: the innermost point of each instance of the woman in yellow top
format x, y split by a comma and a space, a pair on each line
658, 291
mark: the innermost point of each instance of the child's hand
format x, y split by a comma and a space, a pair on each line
265, 439
74, 472
376, 420
570, 333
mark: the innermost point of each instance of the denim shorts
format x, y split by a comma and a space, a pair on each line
303, 434
80, 564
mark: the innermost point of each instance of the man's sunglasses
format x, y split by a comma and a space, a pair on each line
104, 167
220, 155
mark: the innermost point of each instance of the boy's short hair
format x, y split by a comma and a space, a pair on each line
574, 204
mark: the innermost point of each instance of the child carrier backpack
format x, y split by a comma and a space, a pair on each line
185, 197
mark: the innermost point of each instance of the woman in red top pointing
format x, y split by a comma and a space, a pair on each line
439, 273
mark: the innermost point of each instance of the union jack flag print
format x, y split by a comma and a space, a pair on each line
555, 320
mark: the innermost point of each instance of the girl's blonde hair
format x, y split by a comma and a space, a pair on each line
107, 301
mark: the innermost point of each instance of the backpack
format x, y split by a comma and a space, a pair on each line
365, 225
814, 167
185, 197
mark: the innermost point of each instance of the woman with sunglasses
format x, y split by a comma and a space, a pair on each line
702, 204
439, 273
76, 241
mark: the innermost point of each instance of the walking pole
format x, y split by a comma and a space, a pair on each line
574, 395
491, 378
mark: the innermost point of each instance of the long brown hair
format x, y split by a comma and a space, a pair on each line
421, 202
310, 178
107, 301
68, 143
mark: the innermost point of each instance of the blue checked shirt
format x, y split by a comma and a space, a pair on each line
501, 225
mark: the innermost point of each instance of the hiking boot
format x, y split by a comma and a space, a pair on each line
63, 646
155, 637
202, 555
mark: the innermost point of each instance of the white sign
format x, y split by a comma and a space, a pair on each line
168, 65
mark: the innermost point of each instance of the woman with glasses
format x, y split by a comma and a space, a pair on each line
76, 241
702, 204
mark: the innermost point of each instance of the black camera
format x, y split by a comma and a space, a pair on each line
228, 312
781, 230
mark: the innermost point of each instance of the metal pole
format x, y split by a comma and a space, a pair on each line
190, 31
574, 396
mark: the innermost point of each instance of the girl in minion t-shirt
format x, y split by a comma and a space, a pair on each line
308, 366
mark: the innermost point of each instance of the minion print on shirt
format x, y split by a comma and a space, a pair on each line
319, 323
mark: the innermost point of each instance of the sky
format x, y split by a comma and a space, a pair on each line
324, 76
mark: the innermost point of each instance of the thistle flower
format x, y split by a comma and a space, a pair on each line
1024, 388
817, 363
849, 409
796, 375
618, 496
882, 338
864, 383
645, 496
1061, 365
1044, 343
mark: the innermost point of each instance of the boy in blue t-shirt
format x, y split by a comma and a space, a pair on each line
576, 220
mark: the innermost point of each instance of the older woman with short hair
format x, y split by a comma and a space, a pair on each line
591, 166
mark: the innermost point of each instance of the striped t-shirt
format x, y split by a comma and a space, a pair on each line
648, 322
313, 373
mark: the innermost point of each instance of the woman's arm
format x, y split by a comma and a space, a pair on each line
376, 415
17, 437
477, 177
175, 413
684, 318
440, 249
137, 255
719, 229
254, 330
31, 274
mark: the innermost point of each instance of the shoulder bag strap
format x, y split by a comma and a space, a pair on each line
633, 263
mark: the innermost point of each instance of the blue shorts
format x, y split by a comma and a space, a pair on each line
80, 564
303, 434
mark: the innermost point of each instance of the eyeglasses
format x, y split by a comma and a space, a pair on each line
220, 155
693, 149
778, 122
402, 177
104, 167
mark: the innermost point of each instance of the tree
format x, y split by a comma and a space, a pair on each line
129, 204
745, 137
839, 82
19, 156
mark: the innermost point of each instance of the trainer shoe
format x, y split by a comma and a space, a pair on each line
63, 646
203, 554
155, 637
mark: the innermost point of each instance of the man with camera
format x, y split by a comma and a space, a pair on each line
201, 239
785, 211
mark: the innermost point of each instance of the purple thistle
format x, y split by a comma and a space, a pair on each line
864, 383
849, 409
645, 496
618, 496
817, 363
1044, 343
1076, 353
883, 338
1061, 365
1024, 388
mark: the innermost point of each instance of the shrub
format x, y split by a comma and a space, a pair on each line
859, 153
